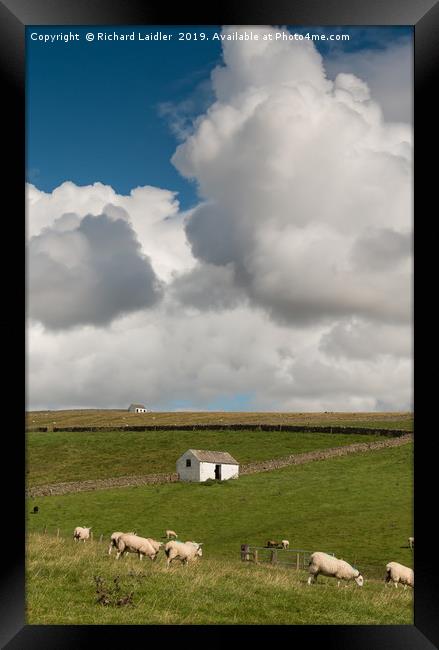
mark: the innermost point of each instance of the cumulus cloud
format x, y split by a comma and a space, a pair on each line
88, 271
288, 285
171, 358
356, 339
207, 287
388, 72
298, 175
152, 212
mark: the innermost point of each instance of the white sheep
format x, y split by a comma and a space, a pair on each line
128, 543
81, 532
285, 543
182, 551
400, 573
113, 539
328, 565
170, 533
412, 542
156, 546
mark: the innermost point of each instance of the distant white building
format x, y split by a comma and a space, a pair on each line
199, 465
137, 408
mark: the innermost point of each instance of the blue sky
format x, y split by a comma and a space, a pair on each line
95, 110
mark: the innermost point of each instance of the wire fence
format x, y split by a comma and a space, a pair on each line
298, 559
294, 558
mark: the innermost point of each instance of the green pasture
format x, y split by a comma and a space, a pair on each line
61, 589
359, 507
53, 457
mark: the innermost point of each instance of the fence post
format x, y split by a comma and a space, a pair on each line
245, 549
100, 539
45, 529
273, 557
297, 562
256, 555
57, 532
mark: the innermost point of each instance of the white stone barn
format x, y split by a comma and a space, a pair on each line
198, 465
137, 408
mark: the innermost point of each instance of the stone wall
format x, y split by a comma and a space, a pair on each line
248, 468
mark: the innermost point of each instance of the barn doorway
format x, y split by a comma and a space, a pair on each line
218, 472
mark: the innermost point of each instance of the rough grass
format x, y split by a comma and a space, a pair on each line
108, 417
358, 507
69, 456
61, 589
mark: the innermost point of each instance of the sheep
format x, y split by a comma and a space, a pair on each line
272, 544
412, 542
113, 540
182, 551
156, 546
170, 533
285, 543
129, 543
35, 510
328, 565
400, 573
81, 532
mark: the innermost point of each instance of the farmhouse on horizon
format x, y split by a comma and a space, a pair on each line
137, 408
199, 465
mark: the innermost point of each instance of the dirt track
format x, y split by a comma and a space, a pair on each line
249, 468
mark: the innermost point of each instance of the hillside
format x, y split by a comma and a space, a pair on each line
60, 456
336, 505
402, 420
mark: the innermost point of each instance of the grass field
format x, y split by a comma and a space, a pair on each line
65, 456
62, 590
108, 417
359, 507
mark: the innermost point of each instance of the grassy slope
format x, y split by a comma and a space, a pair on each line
359, 507
61, 590
62, 456
119, 418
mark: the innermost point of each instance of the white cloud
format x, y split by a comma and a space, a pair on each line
296, 172
152, 212
88, 271
290, 282
169, 356
388, 72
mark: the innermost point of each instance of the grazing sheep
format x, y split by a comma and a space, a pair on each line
412, 542
285, 543
129, 543
182, 551
81, 532
330, 566
113, 540
170, 533
400, 573
272, 544
156, 546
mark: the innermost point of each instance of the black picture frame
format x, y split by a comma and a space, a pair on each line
15, 15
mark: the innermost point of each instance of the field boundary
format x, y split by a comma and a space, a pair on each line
237, 427
248, 468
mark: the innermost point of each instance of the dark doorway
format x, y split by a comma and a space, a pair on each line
218, 472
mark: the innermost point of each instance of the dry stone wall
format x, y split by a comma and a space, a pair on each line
248, 468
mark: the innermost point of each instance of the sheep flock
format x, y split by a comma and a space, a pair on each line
320, 563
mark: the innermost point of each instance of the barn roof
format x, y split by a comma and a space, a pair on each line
222, 457
137, 406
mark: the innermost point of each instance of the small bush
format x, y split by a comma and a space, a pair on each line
111, 596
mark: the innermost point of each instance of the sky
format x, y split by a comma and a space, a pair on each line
216, 223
